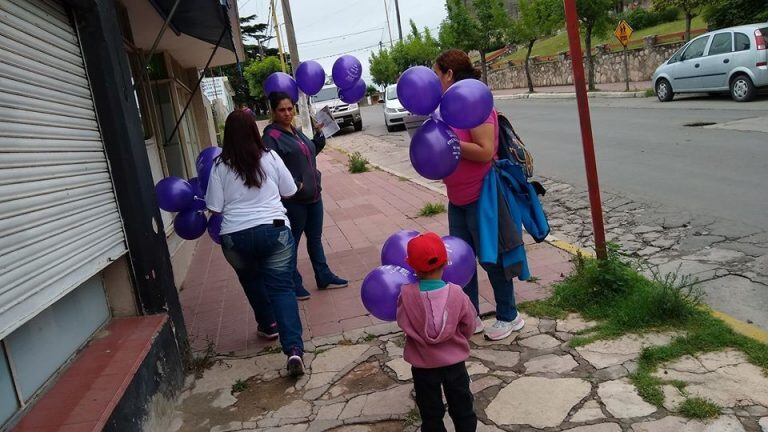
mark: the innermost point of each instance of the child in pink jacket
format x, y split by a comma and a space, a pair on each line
438, 319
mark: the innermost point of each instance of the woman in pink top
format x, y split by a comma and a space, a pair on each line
478, 150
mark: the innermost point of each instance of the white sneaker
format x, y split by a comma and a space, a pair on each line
479, 326
502, 329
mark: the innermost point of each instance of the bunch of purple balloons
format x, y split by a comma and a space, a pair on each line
381, 288
435, 150
187, 198
310, 78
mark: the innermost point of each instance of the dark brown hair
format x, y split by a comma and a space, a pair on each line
276, 97
243, 148
458, 61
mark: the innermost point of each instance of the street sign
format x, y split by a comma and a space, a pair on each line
623, 32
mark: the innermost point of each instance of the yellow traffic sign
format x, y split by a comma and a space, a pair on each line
623, 32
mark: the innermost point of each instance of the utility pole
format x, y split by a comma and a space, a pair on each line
399, 27
304, 121
277, 34
389, 28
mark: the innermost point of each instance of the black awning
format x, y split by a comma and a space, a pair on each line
201, 19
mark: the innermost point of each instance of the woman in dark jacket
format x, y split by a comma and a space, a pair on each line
305, 209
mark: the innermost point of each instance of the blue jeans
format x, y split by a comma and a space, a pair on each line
462, 223
264, 259
308, 219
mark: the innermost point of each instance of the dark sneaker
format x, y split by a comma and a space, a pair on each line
302, 294
268, 332
295, 362
333, 283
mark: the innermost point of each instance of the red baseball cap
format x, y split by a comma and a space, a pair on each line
426, 252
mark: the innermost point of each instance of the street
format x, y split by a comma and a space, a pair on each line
645, 151
682, 184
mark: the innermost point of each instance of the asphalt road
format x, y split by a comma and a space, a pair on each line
646, 152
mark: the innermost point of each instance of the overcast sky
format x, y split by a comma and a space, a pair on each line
327, 29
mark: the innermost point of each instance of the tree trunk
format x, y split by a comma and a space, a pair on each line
590, 63
483, 66
688, 19
527, 68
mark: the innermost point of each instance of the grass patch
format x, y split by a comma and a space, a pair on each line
412, 418
543, 308
650, 93
559, 43
357, 163
616, 294
432, 209
239, 386
699, 408
203, 360
273, 349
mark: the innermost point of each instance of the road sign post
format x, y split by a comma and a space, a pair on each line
623, 33
593, 185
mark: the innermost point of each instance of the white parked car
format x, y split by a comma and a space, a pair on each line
394, 113
731, 60
345, 114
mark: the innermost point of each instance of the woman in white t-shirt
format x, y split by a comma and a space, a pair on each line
246, 185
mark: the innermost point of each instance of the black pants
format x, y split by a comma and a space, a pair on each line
455, 382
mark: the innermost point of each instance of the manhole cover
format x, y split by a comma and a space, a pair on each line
699, 124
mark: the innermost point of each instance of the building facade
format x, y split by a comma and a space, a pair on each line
85, 134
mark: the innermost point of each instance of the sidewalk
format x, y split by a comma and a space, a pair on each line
361, 211
608, 90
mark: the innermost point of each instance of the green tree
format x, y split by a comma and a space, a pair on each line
728, 13
538, 19
690, 9
383, 70
254, 31
483, 28
258, 71
594, 16
419, 48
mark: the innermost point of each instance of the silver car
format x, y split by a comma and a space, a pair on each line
345, 114
731, 60
393, 109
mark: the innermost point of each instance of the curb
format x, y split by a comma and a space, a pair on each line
739, 326
592, 95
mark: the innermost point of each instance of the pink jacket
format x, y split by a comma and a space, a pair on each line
451, 345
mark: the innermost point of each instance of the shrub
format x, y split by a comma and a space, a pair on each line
357, 163
641, 18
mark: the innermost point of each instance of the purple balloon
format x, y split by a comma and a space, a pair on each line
310, 77
281, 82
353, 94
204, 163
190, 224
466, 104
214, 227
395, 249
381, 288
435, 150
174, 194
198, 202
346, 71
419, 90
461, 261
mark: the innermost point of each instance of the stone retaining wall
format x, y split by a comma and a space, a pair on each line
609, 67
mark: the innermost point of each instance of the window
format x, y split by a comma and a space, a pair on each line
721, 44
742, 42
392, 93
326, 94
696, 48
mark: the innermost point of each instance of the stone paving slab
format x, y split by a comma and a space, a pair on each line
365, 385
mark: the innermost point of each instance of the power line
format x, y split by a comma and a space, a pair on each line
347, 52
341, 36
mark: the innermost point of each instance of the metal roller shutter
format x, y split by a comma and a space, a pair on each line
59, 222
